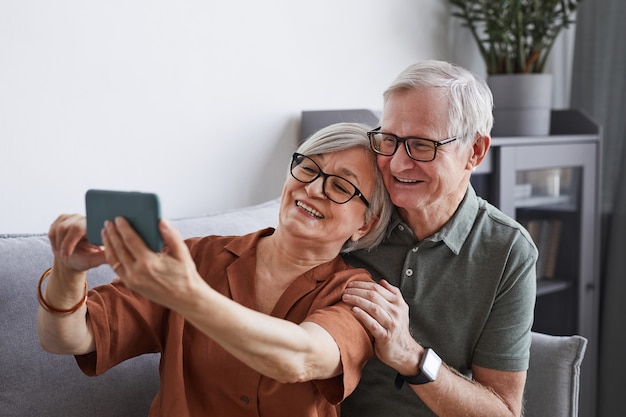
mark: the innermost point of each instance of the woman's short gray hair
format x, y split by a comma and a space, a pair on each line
470, 99
340, 137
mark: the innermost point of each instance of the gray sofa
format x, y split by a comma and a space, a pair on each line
34, 383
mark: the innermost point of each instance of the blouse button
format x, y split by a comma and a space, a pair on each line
244, 399
409, 272
401, 228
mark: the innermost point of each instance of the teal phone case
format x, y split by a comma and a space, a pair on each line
142, 210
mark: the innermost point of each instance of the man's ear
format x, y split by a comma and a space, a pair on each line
365, 229
478, 150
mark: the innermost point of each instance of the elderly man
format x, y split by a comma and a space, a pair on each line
453, 309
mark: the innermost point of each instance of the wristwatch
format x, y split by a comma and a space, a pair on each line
429, 369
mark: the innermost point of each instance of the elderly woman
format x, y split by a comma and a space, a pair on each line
246, 326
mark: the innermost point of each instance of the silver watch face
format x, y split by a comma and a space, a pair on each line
431, 364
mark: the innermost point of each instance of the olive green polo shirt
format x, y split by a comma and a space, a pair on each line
471, 291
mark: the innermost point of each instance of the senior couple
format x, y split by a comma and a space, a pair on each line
290, 318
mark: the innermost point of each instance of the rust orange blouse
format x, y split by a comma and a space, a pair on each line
198, 377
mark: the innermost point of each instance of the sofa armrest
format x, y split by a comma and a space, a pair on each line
552, 384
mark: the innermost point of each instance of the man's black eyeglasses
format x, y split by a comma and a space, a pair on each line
419, 149
334, 187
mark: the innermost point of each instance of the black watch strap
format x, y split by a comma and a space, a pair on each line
425, 375
413, 380
418, 379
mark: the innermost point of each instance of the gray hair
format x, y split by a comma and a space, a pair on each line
469, 98
340, 137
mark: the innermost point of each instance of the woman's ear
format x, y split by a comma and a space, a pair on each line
365, 229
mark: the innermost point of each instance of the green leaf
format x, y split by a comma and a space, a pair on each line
514, 35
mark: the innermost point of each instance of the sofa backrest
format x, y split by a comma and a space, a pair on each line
36, 383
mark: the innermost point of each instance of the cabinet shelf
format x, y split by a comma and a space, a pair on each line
551, 286
563, 202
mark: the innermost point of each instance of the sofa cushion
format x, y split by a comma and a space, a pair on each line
553, 379
36, 383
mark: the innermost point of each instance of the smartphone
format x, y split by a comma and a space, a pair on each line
142, 210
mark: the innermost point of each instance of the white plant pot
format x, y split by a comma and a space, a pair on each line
522, 104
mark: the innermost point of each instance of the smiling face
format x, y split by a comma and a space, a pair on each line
307, 215
426, 192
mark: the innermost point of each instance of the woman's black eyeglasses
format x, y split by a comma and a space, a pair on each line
334, 187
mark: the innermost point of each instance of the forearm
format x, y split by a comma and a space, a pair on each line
452, 394
64, 333
274, 347
489, 393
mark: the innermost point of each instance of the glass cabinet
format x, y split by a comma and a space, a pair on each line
551, 185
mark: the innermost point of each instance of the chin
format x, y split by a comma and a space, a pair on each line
405, 200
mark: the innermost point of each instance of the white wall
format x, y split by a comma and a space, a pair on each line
196, 100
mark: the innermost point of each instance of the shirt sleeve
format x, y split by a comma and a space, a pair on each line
354, 342
124, 324
509, 325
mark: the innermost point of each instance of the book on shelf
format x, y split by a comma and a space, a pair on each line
546, 233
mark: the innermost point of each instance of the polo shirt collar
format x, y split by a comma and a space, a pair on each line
455, 231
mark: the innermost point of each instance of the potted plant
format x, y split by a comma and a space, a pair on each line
515, 38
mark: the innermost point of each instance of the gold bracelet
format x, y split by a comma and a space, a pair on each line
54, 310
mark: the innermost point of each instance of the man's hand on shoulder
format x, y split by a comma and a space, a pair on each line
384, 313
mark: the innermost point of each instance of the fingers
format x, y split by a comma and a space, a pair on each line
173, 241
65, 234
68, 240
118, 237
125, 246
369, 302
372, 325
392, 289
380, 307
156, 276
373, 291
68, 236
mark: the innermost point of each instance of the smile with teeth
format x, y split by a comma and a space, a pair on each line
405, 180
309, 210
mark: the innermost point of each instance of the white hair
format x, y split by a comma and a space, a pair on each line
469, 98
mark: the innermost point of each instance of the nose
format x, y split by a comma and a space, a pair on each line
316, 188
401, 159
